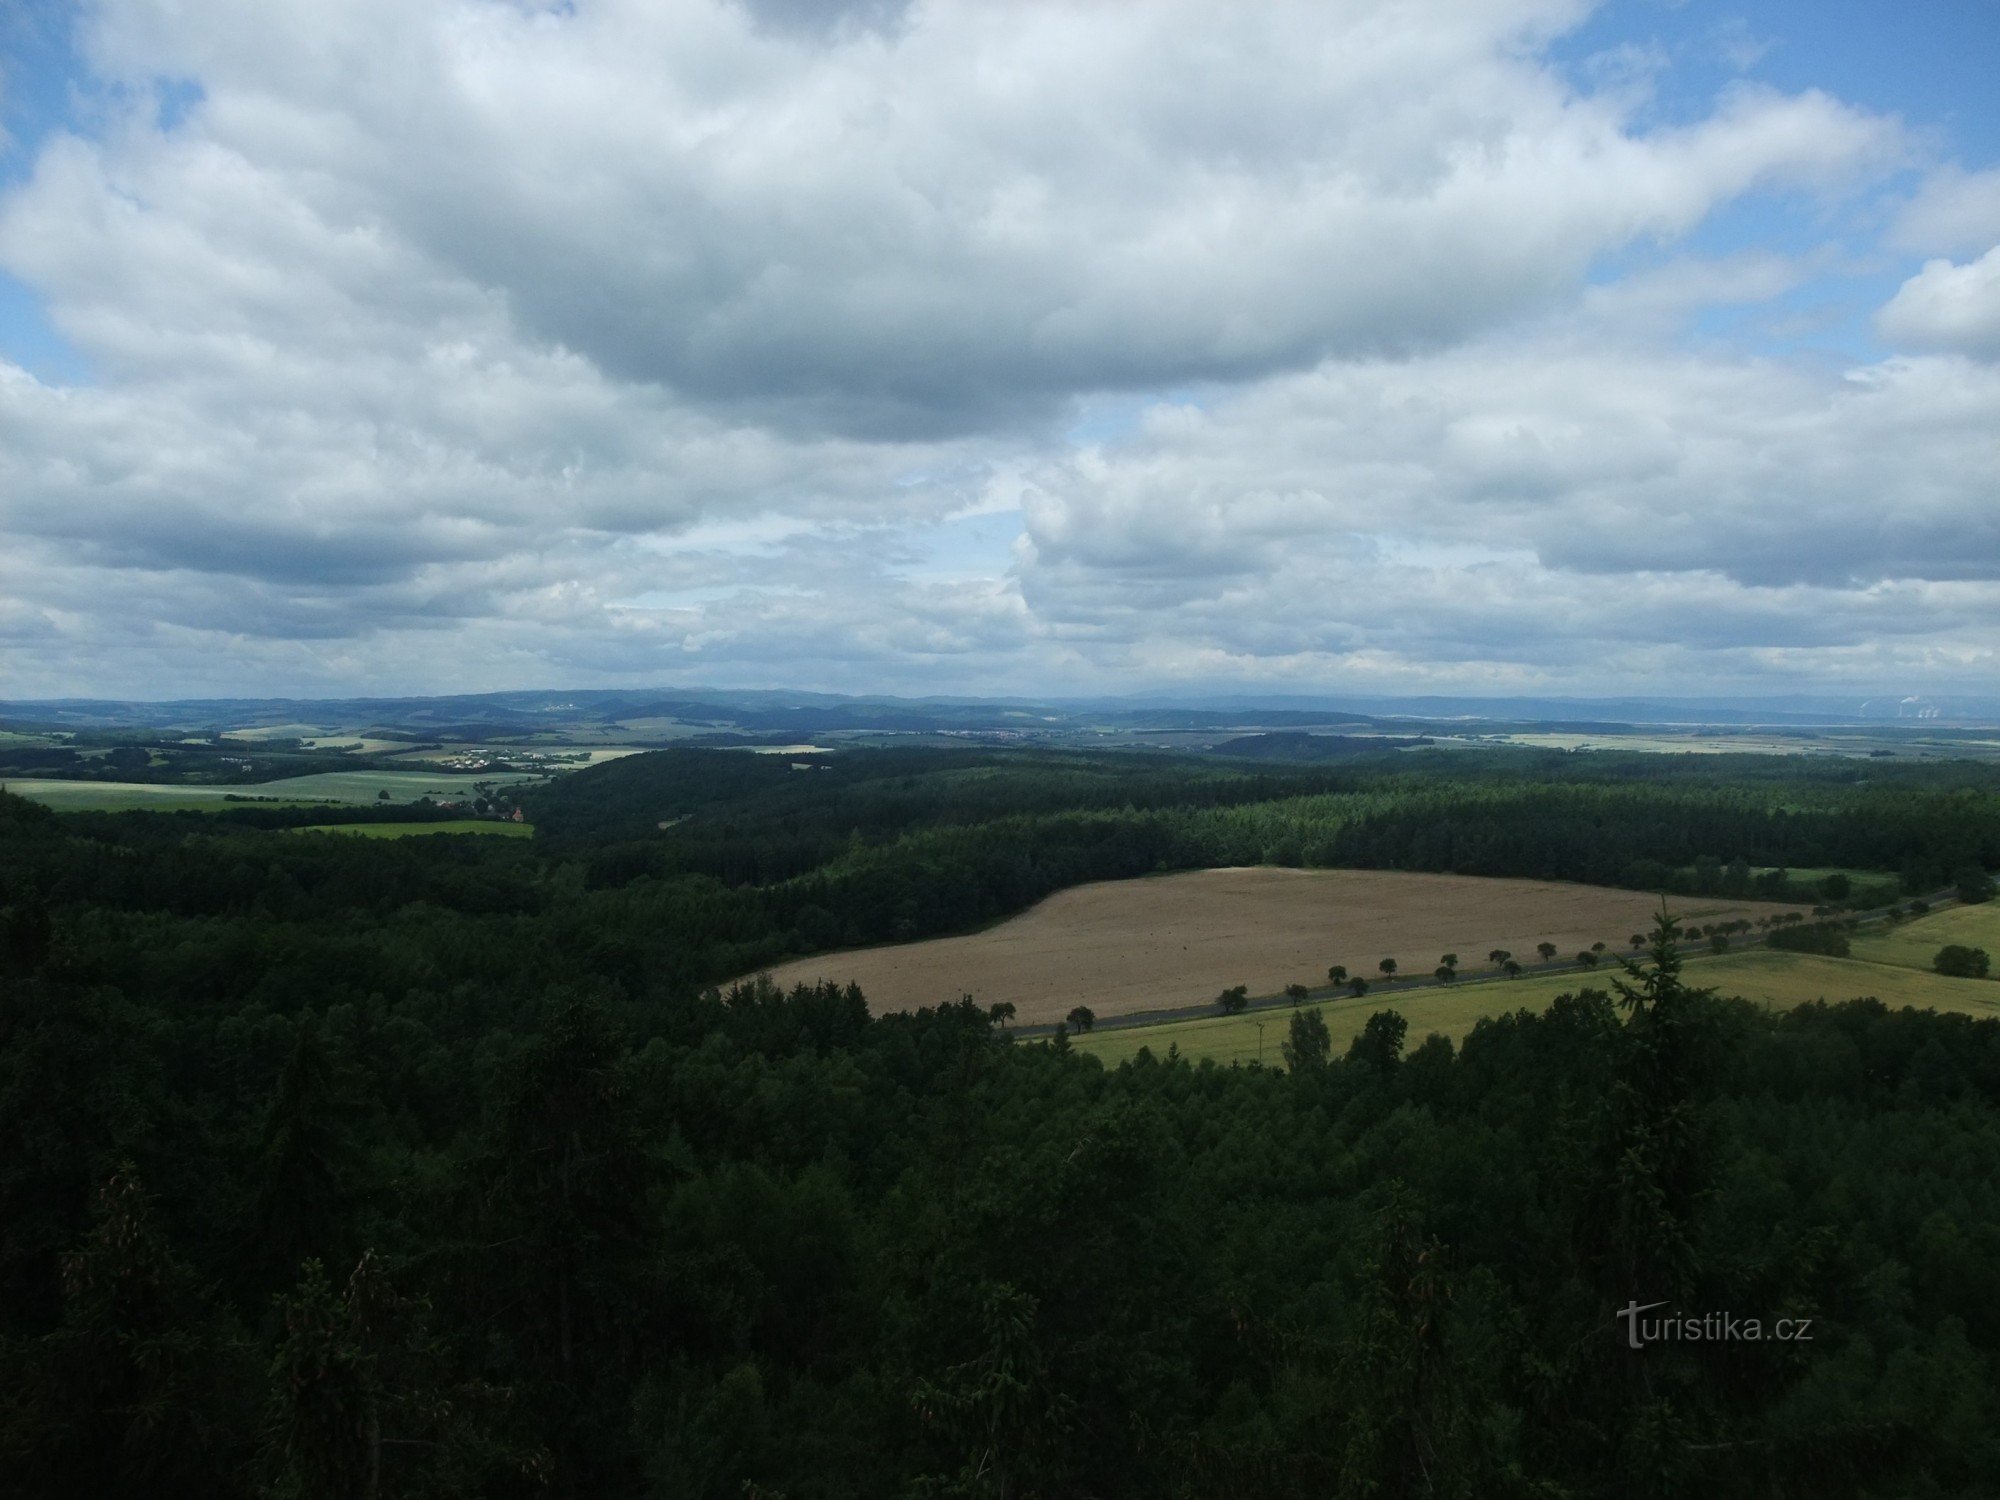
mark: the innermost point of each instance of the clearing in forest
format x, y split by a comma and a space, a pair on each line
1166, 941
497, 828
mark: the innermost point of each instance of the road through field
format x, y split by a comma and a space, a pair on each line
1167, 941
1768, 976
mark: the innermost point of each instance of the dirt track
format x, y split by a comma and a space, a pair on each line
1174, 940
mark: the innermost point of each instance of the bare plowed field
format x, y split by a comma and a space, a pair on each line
1175, 940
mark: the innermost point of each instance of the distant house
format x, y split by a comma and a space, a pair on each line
518, 816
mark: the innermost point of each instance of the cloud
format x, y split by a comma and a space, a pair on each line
823, 20
1954, 211
1947, 306
1610, 511
1593, 459
947, 227
481, 342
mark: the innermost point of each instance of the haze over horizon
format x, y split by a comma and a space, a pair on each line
1480, 347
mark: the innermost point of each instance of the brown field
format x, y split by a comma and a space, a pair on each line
1175, 940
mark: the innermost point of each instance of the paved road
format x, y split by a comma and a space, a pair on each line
1380, 990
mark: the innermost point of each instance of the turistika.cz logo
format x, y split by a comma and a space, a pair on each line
1706, 1328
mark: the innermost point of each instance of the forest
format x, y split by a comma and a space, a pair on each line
456, 1165
887, 846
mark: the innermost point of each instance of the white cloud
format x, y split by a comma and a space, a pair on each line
478, 342
940, 228
1593, 458
1606, 510
1953, 212
1946, 306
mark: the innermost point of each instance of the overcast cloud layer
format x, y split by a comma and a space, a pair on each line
969, 347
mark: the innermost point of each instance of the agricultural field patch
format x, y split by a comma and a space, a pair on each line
257, 732
1767, 976
1259, 1035
1781, 979
367, 786
566, 757
422, 830
1172, 941
1915, 944
322, 787
138, 796
352, 744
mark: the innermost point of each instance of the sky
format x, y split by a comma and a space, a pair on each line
1388, 346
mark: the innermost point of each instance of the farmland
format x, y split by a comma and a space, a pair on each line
1451, 1011
493, 826
1177, 940
1893, 967
334, 787
1915, 944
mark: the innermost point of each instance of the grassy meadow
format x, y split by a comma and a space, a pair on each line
1915, 944
139, 796
423, 830
1894, 967
346, 788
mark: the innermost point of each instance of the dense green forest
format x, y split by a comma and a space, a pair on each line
886, 846
341, 1167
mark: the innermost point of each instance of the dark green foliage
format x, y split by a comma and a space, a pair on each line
352, 1167
1379, 1047
308, 1169
1813, 937
890, 845
140, 1386
1308, 1043
329, 1407
1961, 962
1233, 999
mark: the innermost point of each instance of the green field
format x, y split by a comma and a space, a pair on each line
347, 787
1814, 874
1915, 944
1229, 1039
402, 786
1765, 975
129, 796
420, 830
